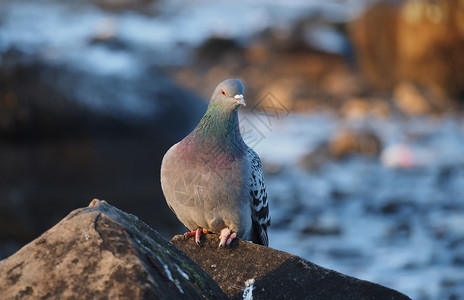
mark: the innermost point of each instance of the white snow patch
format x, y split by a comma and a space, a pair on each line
185, 275
248, 290
168, 273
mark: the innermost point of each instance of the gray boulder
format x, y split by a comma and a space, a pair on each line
100, 252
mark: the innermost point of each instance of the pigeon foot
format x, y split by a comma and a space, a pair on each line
197, 233
227, 236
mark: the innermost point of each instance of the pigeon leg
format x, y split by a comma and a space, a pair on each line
198, 236
197, 233
189, 234
226, 237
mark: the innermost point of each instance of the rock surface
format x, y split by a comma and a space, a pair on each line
250, 270
100, 252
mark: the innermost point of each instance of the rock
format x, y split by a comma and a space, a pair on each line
322, 225
317, 158
39, 99
375, 52
346, 142
218, 47
410, 99
410, 40
358, 108
101, 252
148, 7
257, 272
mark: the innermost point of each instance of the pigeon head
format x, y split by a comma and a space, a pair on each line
229, 94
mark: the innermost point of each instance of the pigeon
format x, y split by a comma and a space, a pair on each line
212, 180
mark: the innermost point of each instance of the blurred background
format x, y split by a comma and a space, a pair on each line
355, 108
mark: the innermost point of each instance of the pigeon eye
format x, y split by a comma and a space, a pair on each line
223, 92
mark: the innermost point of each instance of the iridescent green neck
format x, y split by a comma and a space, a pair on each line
219, 127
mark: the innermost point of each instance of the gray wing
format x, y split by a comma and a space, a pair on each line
259, 203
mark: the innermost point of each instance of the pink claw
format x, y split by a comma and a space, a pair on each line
226, 237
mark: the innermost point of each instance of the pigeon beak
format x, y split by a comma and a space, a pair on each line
240, 100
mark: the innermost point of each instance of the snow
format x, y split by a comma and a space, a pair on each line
181, 272
168, 273
396, 225
248, 291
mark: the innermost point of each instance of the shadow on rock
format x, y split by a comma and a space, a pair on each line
247, 269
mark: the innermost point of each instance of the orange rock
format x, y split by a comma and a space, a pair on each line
412, 40
347, 142
410, 100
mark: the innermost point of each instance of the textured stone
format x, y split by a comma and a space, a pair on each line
247, 269
101, 252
